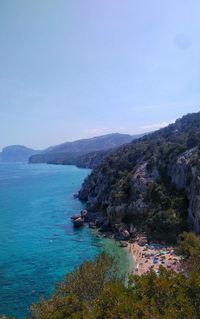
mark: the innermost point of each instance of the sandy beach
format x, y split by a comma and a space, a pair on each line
147, 256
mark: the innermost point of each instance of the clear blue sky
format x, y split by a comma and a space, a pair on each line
78, 68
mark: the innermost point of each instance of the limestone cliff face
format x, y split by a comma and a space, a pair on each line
185, 174
180, 172
194, 199
155, 174
95, 191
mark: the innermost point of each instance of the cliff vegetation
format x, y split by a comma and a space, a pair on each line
152, 184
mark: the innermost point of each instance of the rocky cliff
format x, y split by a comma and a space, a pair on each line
185, 174
91, 160
152, 183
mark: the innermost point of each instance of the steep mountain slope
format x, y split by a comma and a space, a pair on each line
92, 144
93, 159
16, 153
75, 152
89, 160
152, 183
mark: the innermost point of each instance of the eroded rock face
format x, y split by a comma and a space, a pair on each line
193, 190
96, 190
180, 171
115, 214
137, 204
142, 177
185, 174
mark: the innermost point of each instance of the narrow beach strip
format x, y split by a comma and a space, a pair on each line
152, 256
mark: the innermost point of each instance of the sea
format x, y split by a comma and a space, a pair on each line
38, 243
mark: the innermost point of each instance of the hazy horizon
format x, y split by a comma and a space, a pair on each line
78, 69
95, 136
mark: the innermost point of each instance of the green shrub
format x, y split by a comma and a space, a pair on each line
189, 245
170, 295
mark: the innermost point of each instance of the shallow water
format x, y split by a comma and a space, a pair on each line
38, 243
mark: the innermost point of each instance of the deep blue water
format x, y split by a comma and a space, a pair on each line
38, 243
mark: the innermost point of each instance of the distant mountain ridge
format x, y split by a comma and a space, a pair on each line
92, 144
84, 152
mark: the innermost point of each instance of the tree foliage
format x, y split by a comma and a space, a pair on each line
169, 295
189, 245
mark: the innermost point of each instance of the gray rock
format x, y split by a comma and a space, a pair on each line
92, 225
100, 221
74, 217
78, 222
84, 213
126, 234
105, 227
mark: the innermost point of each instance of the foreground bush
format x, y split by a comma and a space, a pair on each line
189, 245
93, 291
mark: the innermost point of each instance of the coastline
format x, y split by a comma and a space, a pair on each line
141, 256
137, 259
123, 256
152, 256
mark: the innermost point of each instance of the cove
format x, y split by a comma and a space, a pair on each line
38, 243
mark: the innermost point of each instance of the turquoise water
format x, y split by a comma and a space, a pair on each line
38, 243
